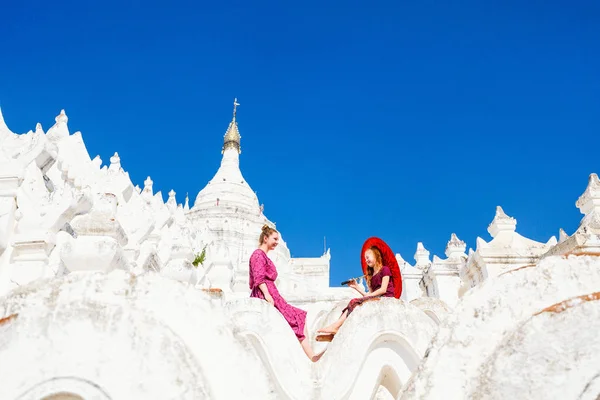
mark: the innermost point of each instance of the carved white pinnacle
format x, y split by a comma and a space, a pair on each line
421, 255
590, 199
455, 246
562, 235
148, 185
502, 223
115, 162
62, 117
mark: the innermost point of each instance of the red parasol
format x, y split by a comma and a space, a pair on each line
389, 260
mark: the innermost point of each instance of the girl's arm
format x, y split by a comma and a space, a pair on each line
384, 284
358, 288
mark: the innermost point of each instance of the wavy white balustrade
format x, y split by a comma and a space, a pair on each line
156, 338
384, 338
529, 333
150, 338
387, 335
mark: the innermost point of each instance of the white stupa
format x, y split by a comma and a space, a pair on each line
228, 219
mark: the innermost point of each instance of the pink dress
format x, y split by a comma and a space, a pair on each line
262, 270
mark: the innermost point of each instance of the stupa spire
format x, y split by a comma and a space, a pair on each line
232, 137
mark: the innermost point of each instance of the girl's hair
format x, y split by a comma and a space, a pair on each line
378, 261
265, 233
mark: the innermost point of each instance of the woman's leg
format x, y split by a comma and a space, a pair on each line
333, 328
308, 349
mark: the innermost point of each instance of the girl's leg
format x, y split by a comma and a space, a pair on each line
308, 349
333, 328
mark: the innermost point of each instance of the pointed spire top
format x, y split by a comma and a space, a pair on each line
589, 201
502, 223
61, 118
232, 137
455, 247
562, 235
421, 256
38, 129
60, 129
186, 207
172, 201
148, 186
235, 104
115, 162
401, 262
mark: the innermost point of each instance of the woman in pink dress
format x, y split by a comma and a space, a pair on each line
379, 282
262, 284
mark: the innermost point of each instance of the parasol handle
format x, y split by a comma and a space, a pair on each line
350, 280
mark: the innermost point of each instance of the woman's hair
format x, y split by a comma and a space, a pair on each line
378, 261
265, 233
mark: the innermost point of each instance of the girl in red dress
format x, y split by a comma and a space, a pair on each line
262, 284
380, 284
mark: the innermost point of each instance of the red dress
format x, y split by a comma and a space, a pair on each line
262, 270
376, 281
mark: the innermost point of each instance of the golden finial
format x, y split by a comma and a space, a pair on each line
235, 104
232, 136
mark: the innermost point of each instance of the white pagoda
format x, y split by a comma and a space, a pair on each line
227, 218
103, 296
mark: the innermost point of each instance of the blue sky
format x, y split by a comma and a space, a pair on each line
403, 120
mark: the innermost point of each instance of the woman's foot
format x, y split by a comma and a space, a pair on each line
317, 357
329, 329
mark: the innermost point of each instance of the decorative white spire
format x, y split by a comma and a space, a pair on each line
60, 129
589, 205
399, 259
401, 262
115, 163
38, 129
455, 247
421, 256
232, 137
172, 201
186, 207
148, 186
589, 201
502, 223
562, 235
61, 118
97, 162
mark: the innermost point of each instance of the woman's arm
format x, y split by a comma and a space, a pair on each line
258, 272
384, 284
354, 285
263, 288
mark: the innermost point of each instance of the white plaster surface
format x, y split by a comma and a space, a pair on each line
490, 315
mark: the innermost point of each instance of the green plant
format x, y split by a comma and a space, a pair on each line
200, 258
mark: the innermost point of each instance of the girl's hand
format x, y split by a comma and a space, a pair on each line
353, 284
270, 300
